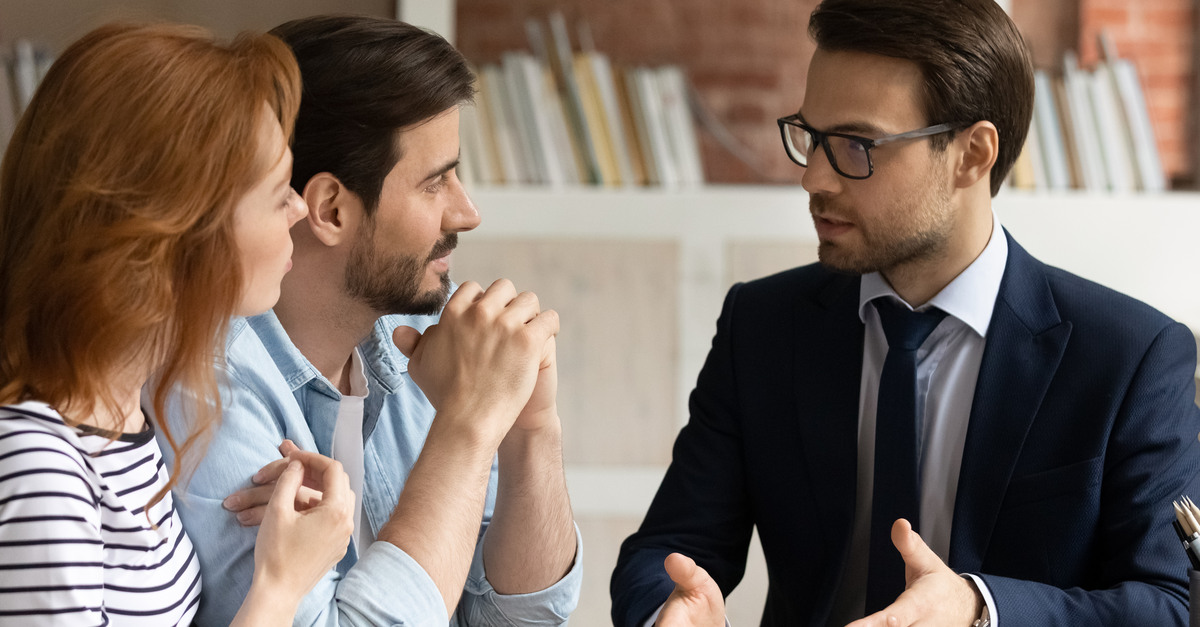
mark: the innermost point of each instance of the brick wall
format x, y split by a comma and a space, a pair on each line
748, 58
1159, 36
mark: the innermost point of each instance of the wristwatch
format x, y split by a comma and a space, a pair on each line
984, 619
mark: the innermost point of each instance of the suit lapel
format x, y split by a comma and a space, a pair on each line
828, 391
1025, 343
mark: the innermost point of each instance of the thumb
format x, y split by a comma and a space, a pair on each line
406, 339
685, 573
286, 487
287, 447
918, 557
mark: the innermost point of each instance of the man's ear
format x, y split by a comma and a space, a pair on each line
332, 209
980, 146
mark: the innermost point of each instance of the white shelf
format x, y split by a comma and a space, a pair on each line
1143, 245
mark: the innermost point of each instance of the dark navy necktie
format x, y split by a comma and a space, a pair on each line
897, 488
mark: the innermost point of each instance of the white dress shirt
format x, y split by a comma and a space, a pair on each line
947, 370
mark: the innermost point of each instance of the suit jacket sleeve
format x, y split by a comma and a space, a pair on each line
1151, 457
701, 507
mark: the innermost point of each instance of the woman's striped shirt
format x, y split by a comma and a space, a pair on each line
76, 544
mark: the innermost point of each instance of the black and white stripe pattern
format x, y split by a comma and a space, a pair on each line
76, 545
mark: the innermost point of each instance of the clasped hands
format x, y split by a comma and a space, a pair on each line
934, 595
490, 360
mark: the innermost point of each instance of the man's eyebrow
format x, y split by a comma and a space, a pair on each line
443, 169
851, 128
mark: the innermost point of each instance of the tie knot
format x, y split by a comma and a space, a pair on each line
904, 328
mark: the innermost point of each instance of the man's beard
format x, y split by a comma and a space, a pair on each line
393, 286
923, 234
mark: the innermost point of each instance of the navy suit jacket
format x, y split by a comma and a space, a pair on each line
1082, 430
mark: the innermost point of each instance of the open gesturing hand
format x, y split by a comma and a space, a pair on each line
696, 600
933, 595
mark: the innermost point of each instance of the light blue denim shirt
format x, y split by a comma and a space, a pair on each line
272, 392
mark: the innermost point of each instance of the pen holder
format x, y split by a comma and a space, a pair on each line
1194, 598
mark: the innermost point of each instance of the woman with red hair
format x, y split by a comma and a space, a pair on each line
144, 200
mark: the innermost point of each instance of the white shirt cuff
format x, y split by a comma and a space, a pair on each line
987, 600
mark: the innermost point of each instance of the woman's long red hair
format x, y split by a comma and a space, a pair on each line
117, 195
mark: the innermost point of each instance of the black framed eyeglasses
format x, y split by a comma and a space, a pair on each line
850, 155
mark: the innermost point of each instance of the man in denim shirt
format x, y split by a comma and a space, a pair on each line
375, 150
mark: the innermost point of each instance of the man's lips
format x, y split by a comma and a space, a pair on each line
832, 220
829, 227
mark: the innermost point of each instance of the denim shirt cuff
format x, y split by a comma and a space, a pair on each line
387, 586
551, 606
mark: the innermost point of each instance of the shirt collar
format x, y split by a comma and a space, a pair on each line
376, 360
292, 364
381, 357
383, 363
970, 297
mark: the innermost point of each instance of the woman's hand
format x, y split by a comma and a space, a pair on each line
296, 547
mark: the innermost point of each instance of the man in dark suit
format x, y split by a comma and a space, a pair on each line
928, 374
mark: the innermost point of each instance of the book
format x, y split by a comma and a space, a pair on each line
553, 161
1145, 149
563, 64
650, 102
566, 147
1083, 123
1050, 133
637, 112
522, 116
594, 120
1112, 132
491, 170
566, 144
503, 127
629, 126
681, 130
611, 104
1070, 145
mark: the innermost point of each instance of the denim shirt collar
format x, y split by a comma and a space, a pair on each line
383, 361
385, 366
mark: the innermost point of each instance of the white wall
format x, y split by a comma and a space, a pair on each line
436, 15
